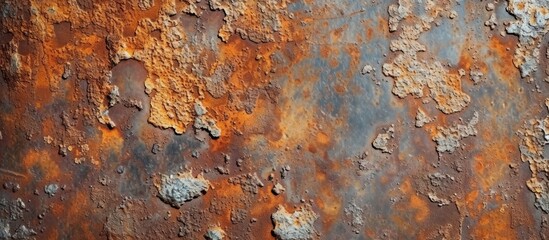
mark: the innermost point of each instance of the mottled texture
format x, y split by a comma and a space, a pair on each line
258, 21
381, 142
215, 233
51, 189
106, 99
531, 25
176, 190
412, 75
448, 138
422, 118
535, 136
298, 225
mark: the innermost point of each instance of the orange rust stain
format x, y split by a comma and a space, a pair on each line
325, 51
470, 202
306, 93
294, 116
410, 213
42, 159
382, 25
330, 207
221, 143
503, 59
42, 87
337, 33
58, 209
465, 59
491, 165
236, 121
384, 179
111, 139
132, 20
339, 88
370, 233
51, 235
75, 207
269, 203
418, 205
354, 53
225, 189
312, 148
495, 224
479, 164
503, 48
521, 6
422, 209
333, 62
402, 222
329, 204
369, 34
322, 138
48, 127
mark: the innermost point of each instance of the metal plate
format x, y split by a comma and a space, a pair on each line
249, 119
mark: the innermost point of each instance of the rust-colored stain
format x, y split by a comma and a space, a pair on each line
260, 119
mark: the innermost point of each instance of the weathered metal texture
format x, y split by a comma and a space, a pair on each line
273, 119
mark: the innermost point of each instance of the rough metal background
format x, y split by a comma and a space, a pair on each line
410, 119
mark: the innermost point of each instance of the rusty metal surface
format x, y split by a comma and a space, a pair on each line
268, 119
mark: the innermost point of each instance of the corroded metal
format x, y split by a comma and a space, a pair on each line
261, 119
